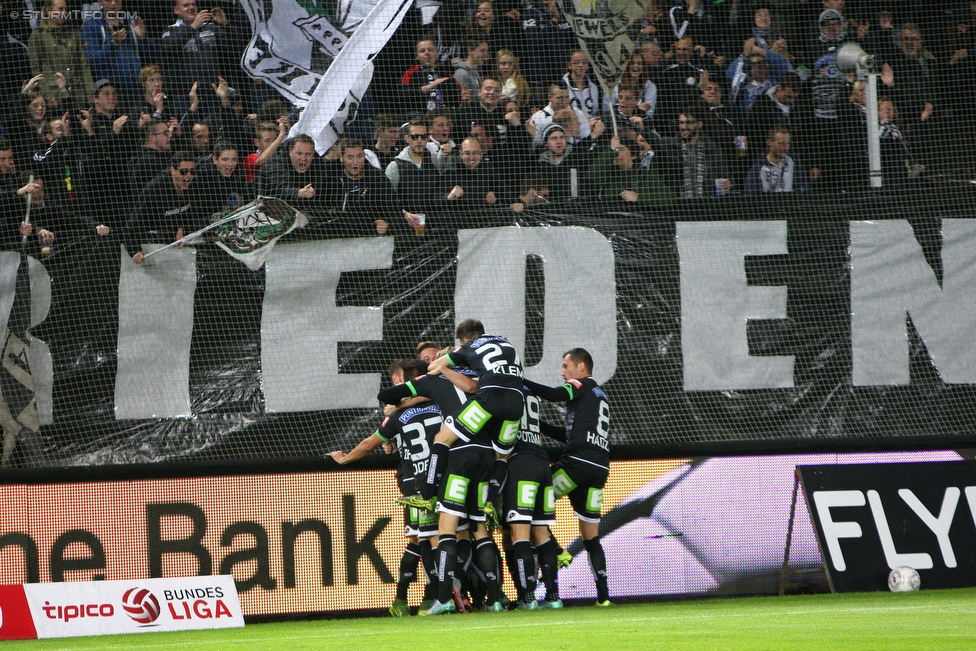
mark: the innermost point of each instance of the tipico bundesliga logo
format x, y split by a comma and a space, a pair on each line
141, 606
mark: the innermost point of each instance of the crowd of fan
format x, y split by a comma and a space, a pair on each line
147, 129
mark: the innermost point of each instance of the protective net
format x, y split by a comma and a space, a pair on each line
223, 222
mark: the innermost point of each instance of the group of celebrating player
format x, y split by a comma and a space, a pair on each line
468, 430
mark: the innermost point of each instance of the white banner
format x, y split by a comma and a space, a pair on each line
337, 97
71, 609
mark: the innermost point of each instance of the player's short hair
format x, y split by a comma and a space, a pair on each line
485, 79
424, 345
396, 366
271, 110
553, 87
150, 127
779, 128
473, 43
469, 329
417, 122
413, 368
580, 355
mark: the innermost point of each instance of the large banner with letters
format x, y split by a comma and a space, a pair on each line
746, 324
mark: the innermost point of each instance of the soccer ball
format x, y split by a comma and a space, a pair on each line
904, 579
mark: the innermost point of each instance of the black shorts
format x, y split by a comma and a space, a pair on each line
464, 486
584, 483
492, 414
529, 496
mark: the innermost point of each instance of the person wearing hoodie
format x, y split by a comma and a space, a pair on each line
467, 73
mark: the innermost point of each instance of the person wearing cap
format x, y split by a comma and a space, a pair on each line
556, 163
116, 48
827, 86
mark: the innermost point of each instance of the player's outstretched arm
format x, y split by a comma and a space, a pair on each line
395, 394
365, 446
552, 394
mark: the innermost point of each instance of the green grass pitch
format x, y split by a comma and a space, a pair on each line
941, 620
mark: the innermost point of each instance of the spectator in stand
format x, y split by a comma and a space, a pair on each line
777, 171
584, 93
722, 126
680, 81
467, 72
473, 183
509, 140
586, 148
827, 87
385, 148
200, 139
115, 49
59, 161
497, 30
549, 41
425, 88
762, 34
55, 47
110, 140
646, 89
164, 212
625, 110
154, 102
192, 47
268, 136
297, 178
752, 75
153, 157
220, 185
912, 75
49, 220
532, 191
359, 196
563, 171
441, 147
514, 86
558, 100
414, 176
27, 123
230, 122
691, 164
654, 26
618, 174
653, 59
778, 106
10, 195
689, 19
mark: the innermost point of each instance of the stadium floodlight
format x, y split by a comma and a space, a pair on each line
851, 58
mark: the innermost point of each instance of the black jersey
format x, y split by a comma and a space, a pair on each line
495, 360
529, 437
436, 387
413, 429
587, 418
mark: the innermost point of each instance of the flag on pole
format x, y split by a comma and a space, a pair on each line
336, 99
606, 32
252, 230
293, 42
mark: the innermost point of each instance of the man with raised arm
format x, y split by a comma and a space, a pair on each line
582, 471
